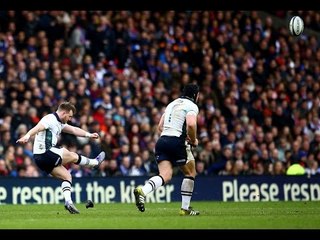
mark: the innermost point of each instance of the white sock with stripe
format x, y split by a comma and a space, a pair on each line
152, 184
66, 190
186, 191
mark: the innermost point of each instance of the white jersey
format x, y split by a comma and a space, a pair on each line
175, 116
48, 138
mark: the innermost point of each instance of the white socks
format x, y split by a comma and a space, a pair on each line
66, 190
186, 192
152, 184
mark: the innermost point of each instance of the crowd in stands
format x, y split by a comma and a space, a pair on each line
259, 101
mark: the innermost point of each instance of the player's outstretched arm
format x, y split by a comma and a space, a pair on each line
33, 131
79, 132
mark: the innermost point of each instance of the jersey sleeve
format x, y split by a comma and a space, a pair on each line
45, 121
193, 110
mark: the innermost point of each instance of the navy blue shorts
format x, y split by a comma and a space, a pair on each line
172, 149
49, 160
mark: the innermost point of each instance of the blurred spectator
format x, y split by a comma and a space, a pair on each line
4, 171
112, 169
137, 169
125, 166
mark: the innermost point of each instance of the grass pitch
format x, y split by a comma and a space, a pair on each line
213, 215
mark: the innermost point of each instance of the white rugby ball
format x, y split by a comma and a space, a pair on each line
296, 25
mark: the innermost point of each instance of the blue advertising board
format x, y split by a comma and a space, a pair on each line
119, 189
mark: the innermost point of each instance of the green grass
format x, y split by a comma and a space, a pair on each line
213, 215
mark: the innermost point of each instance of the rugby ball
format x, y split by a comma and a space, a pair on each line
296, 25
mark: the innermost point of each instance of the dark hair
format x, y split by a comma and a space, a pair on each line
190, 91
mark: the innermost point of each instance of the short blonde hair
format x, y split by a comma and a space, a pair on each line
67, 106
